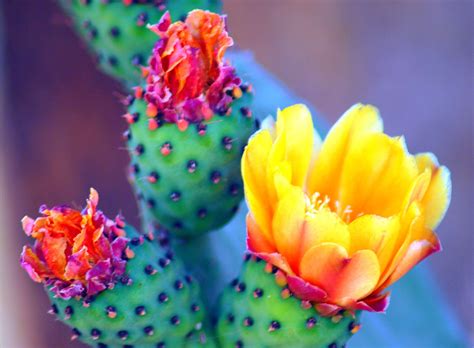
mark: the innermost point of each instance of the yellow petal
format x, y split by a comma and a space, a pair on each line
438, 195
417, 251
268, 124
296, 125
256, 240
288, 223
344, 278
323, 226
254, 164
418, 189
282, 179
378, 174
260, 213
357, 122
276, 157
411, 226
254, 161
374, 233
426, 160
379, 234
318, 143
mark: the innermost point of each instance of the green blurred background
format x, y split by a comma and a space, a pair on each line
60, 126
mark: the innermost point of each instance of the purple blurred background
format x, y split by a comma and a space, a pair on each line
61, 131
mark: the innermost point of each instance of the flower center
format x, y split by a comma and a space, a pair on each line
316, 202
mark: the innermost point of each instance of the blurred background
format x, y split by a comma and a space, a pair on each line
60, 130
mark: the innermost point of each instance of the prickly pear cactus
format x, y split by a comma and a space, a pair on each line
258, 310
116, 30
190, 180
189, 123
113, 286
153, 305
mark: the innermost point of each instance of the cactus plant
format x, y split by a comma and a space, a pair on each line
113, 286
314, 260
189, 123
257, 309
116, 30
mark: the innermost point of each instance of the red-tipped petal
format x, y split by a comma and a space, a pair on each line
417, 252
304, 290
343, 278
276, 260
377, 304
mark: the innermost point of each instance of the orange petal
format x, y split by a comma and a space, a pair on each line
345, 279
377, 175
212, 33
256, 240
54, 254
287, 224
438, 196
33, 265
77, 265
357, 122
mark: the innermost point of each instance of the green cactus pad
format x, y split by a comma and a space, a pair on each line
257, 310
117, 34
155, 305
190, 180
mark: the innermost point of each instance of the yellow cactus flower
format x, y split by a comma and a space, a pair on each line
344, 218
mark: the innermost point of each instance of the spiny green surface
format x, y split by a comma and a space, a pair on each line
160, 308
254, 313
198, 185
117, 34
